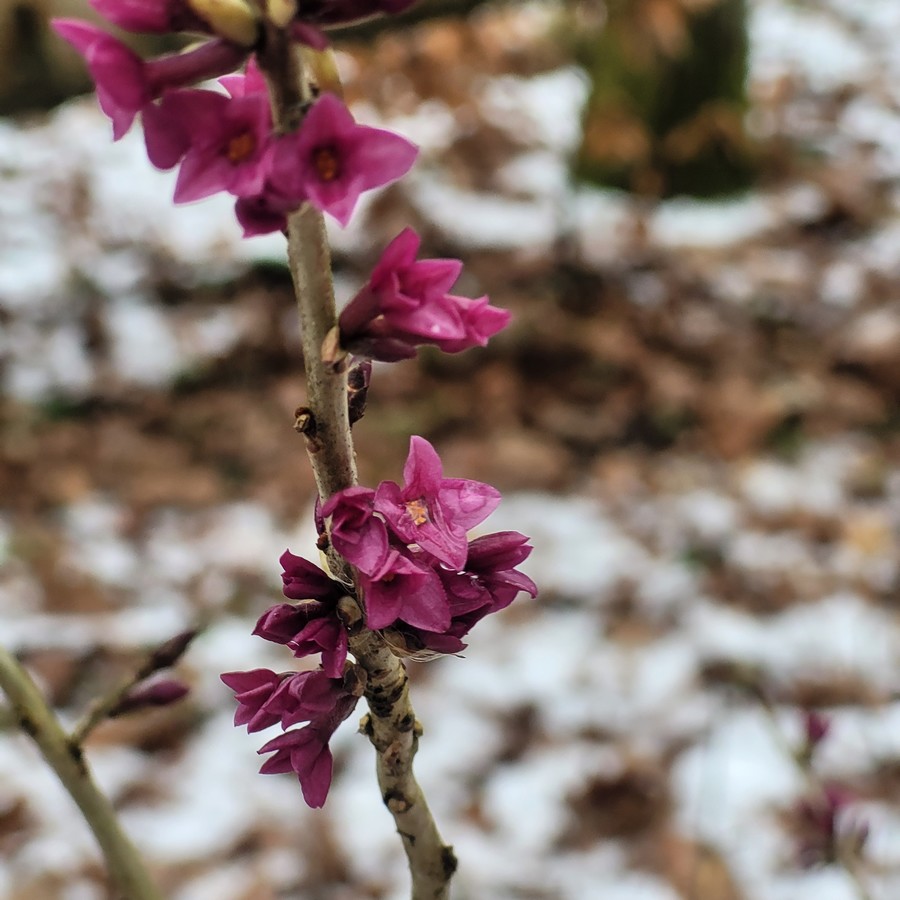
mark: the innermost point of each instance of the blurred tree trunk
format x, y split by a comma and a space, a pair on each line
668, 96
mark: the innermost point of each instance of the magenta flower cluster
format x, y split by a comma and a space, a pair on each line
224, 140
419, 580
418, 571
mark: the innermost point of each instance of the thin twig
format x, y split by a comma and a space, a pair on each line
814, 785
391, 724
159, 658
36, 719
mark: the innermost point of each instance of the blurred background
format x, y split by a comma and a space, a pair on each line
690, 207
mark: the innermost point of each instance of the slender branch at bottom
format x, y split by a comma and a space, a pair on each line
35, 717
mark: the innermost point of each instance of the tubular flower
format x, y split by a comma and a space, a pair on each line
407, 590
356, 533
228, 143
406, 303
123, 86
432, 511
305, 752
330, 160
126, 84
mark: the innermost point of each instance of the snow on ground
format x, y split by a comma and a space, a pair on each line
551, 697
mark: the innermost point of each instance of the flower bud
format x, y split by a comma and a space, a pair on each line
233, 20
157, 693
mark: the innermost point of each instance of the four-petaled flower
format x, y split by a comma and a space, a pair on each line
406, 303
330, 160
432, 511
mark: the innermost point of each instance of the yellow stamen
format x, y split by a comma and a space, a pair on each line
327, 163
418, 511
240, 147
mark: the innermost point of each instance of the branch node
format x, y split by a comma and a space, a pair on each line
305, 422
398, 804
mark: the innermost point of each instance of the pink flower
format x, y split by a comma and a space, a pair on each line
253, 690
303, 751
126, 84
432, 511
405, 304
480, 321
265, 212
330, 160
304, 580
227, 142
356, 533
306, 697
250, 81
491, 566
488, 583
307, 628
404, 589
123, 87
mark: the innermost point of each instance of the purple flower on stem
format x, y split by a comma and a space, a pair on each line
489, 583
305, 752
330, 160
250, 81
126, 84
432, 511
404, 589
491, 567
228, 142
307, 628
264, 213
123, 86
405, 303
253, 690
304, 580
311, 626
356, 533
480, 321
306, 697
265, 698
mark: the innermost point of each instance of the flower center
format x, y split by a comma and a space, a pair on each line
327, 163
418, 511
240, 147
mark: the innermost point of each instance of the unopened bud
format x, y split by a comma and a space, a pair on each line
171, 651
157, 693
281, 12
233, 20
321, 63
816, 727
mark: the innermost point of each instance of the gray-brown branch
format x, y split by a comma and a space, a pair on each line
391, 724
34, 716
